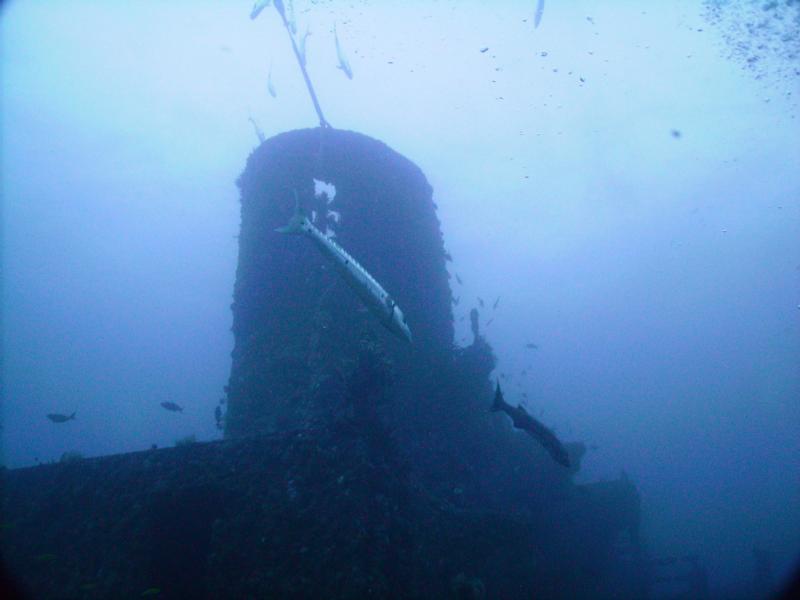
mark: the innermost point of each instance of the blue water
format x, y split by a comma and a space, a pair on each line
624, 177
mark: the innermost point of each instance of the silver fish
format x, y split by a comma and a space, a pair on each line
377, 299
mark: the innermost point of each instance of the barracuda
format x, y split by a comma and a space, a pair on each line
377, 299
522, 420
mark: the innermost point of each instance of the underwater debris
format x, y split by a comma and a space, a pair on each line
344, 64
330, 336
458, 279
675, 133
480, 301
377, 299
59, 418
496, 302
150, 592
537, 17
172, 407
522, 420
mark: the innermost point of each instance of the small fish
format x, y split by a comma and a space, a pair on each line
675, 133
258, 7
270, 85
496, 302
484, 49
59, 418
532, 346
344, 65
537, 17
489, 322
480, 301
455, 300
458, 279
150, 592
171, 406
